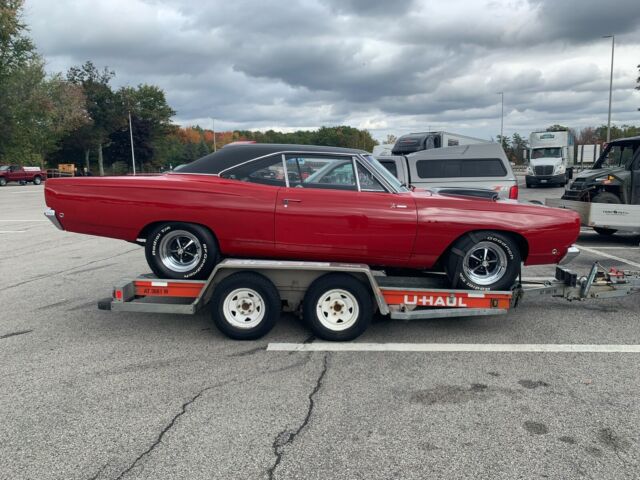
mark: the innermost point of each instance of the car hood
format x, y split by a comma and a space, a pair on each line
587, 175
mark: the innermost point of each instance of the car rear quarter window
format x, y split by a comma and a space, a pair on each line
462, 168
267, 171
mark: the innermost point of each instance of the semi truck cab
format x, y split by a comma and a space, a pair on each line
551, 158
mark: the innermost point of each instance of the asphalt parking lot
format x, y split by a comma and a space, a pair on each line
88, 394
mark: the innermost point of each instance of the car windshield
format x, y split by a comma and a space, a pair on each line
555, 152
386, 174
4, 167
616, 156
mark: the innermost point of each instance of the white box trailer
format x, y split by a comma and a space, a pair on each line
605, 216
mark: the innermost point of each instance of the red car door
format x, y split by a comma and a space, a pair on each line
326, 214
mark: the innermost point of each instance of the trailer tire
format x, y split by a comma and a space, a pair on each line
337, 307
245, 306
498, 268
181, 251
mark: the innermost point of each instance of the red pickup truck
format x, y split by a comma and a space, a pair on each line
16, 173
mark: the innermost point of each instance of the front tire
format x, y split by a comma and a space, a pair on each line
37, 180
181, 251
606, 197
337, 307
3, 181
484, 261
245, 306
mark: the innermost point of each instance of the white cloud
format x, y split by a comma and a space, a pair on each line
390, 67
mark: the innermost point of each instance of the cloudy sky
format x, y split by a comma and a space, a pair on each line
388, 66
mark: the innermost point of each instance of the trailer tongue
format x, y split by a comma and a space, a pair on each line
247, 296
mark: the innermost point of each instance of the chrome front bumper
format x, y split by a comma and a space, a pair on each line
51, 215
572, 253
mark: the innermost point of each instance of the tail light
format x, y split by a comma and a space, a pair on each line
513, 192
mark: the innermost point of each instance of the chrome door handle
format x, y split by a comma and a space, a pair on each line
398, 205
292, 200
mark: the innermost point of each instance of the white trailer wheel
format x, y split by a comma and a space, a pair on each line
245, 306
337, 307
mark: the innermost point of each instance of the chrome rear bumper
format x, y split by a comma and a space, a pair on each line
572, 253
51, 215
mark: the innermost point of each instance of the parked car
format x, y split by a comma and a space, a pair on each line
483, 166
16, 173
310, 203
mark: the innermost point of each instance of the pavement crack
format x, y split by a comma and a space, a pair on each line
13, 334
97, 474
287, 437
164, 431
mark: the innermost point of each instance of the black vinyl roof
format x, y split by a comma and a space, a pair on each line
232, 155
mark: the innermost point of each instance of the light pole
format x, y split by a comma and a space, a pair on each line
501, 116
613, 43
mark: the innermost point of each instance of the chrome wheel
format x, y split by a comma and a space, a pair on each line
485, 263
243, 308
180, 251
337, 310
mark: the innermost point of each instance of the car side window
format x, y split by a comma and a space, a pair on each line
311, 171
368, 183
266, 171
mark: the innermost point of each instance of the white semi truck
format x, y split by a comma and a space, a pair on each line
551, 158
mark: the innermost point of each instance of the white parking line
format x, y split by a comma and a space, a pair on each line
26, 221
450, 347
608, 255
12, 231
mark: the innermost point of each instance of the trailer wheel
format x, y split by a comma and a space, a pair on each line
337, 307
245, 306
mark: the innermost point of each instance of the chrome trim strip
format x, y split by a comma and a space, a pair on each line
355, 172
284, 167
51, 215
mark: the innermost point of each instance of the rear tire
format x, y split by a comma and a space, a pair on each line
484, 261
181, 251
245, 306
337, 307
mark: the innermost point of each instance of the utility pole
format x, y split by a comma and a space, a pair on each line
613, 43
133, 155
213, 128
501, 117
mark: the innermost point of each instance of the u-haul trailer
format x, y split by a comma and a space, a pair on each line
337, 300
611, 217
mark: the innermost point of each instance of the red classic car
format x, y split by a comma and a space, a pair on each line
311, 203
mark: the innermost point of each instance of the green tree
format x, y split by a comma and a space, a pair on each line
101, 104
35, 111
518, 147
